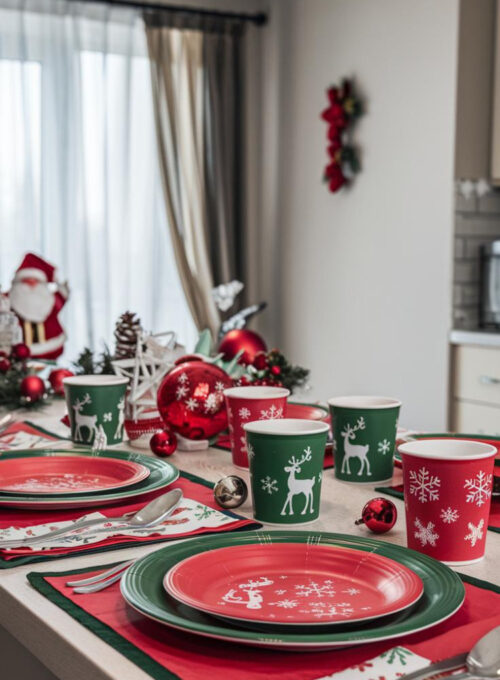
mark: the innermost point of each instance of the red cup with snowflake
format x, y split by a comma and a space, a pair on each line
246, 404
447, 488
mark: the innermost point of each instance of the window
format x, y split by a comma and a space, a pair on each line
79, 178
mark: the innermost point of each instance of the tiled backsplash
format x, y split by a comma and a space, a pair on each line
477, 221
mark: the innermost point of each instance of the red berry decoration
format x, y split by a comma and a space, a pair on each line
32, 388
276, 370
242, 339
191, 399
260, 361
4, 365
379, 515
163, 443
56, 378
20, 352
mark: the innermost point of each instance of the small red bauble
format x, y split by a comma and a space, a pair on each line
4, 364
276, 370
191, 399
3, 354
20, 352
163, 443
32, 387
56, 378
242, 339
260, 361
379, 515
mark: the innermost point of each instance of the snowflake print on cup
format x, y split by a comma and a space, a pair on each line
479, 488
426, 534
475, 534
271, 413
244, 413
424, 486
384, 446
269, 485
449, 515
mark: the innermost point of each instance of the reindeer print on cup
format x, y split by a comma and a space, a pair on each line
297, 487
83, 421
364, 435
359, 451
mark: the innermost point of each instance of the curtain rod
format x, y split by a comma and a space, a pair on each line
259, 18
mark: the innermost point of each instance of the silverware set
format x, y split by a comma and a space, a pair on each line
155, 512
101, 581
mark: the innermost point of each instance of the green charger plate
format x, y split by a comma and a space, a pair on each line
142, 588
161, 474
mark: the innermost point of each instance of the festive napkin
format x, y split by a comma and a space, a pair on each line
197, 514
25, 435
166, 653
397, 490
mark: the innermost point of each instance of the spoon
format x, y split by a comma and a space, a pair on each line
148, 516
483, 661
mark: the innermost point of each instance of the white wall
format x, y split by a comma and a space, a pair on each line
365, 275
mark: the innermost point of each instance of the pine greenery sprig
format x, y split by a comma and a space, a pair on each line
87, 364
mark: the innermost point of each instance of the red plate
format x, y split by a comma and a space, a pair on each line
67, 474
293, 584
306, 411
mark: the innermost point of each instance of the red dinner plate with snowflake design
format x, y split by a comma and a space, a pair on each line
306, 411
293, 584
67, 474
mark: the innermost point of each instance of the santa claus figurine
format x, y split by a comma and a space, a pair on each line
37, 298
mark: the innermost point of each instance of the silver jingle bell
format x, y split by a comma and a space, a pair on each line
230, 492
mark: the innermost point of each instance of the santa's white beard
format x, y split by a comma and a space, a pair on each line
31, 303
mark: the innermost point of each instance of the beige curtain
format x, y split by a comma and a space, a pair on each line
176, 58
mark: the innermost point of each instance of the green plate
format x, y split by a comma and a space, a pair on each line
161, 474
450, 435
142, 588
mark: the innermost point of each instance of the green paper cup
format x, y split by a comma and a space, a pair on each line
96, 408
364, 436
286, 467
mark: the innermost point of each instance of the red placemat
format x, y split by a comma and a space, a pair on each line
193, 487
397, 490
168, 654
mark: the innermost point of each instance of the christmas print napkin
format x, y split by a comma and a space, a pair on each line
390, 665
190, 517
25, 435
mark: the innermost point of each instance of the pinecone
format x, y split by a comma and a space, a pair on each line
127, 328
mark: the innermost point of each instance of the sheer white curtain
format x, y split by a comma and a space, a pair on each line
79, 178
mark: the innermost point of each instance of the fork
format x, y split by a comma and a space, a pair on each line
101, 581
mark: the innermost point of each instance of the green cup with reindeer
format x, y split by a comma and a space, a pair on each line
96, 408
364, 436
286, 467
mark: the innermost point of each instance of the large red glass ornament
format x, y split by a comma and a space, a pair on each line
32, 387
56, 378
379, 515
191, 399
242, 339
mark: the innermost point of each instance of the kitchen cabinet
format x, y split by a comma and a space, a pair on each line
475, 389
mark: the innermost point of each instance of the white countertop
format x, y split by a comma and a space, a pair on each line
485, 338
72, 652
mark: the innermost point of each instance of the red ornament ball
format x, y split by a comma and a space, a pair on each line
260, 361
191, 399
32, 388
4, 364
276, 370
242, 339
379, 515
20, 352
163, 443
56, 378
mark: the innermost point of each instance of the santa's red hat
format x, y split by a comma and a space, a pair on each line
33, 266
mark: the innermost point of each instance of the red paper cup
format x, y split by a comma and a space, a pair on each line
447, 486
246, 404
